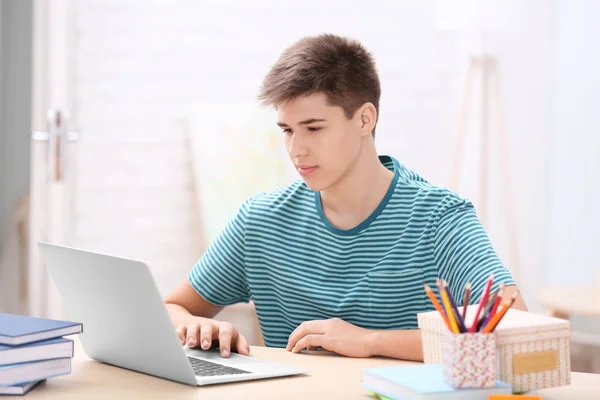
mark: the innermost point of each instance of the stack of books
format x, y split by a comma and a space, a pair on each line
421, 382
33, 350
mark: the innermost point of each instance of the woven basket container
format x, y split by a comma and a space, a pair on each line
533, 350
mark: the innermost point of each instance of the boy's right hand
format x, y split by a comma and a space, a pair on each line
206, 333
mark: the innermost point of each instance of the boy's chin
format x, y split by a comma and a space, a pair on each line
314, 184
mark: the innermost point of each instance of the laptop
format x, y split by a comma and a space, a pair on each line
126, 324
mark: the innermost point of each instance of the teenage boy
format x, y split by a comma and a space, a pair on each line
338, 259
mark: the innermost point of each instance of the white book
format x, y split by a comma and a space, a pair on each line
37, 351
16, 374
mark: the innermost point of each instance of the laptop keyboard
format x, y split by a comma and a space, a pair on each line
207, 368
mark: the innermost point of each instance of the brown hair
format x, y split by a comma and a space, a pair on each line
339, 67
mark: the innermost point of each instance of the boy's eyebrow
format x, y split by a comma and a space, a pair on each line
305, 122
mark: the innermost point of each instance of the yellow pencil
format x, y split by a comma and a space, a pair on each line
449, 311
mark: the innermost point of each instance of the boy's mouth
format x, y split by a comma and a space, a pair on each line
305, 170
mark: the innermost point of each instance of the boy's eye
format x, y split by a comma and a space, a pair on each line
288, 130
314, 128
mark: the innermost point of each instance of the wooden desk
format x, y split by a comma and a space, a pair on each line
581, 301
332, 377
563, 302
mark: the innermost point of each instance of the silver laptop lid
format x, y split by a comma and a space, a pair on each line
125, 322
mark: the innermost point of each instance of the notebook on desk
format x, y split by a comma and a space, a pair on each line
21, 329
19, 390
422, 382
42, 350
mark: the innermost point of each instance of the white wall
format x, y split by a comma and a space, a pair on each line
573, 227
525, 63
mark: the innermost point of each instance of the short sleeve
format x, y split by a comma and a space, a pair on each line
463, 251
220, 274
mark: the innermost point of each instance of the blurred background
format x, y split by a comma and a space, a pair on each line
131, 128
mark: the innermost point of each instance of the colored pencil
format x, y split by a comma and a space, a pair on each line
466, 301
486, 311
494, 306
459, 321
437, 304
484, 297
448, 308
499, 315
491, 300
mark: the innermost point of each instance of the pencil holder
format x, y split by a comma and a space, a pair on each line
469, 359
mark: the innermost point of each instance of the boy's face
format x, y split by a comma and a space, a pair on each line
321, 141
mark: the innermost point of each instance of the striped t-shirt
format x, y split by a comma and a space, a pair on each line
281, 252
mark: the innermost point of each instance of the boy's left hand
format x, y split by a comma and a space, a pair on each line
334, 335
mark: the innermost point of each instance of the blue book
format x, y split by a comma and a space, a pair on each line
36, 351
421, 382
16, 374
19, 390
20, 329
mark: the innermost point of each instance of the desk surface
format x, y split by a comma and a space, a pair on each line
571, 300
331, 377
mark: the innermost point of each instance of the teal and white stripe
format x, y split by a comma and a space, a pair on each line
280, 251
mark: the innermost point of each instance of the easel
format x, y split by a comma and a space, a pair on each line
488, 67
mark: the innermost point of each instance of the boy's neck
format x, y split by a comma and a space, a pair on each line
354, 198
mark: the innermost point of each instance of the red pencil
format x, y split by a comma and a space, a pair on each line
484, 297
494, 306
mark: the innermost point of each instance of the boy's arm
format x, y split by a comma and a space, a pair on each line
184, 303
401, 344
407, 344
519, 303
463, 253
217, 280
349, 340
192, 317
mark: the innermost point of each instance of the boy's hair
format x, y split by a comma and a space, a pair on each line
338, 67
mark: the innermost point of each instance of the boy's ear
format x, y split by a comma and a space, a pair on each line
368, 118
